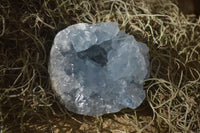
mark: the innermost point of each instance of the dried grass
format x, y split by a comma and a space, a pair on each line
27, 102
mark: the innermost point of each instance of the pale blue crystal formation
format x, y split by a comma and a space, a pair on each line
97, 69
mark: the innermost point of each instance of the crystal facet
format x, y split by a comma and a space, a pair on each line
97, 69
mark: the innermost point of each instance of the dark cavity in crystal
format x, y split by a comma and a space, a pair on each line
94, 53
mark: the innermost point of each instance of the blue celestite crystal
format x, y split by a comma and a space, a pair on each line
97, 69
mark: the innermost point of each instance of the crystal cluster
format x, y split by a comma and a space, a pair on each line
97, 69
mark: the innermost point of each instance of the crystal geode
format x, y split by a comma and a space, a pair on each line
97, 69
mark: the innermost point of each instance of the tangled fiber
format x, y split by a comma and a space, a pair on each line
27, 29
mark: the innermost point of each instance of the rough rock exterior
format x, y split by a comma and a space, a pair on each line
97, 69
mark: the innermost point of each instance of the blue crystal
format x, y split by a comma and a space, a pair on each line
97, 69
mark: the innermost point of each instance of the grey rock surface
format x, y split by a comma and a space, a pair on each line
97, 69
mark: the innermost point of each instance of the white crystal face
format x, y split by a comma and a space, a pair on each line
97, 69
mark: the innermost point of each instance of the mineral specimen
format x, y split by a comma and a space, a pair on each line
97, 69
